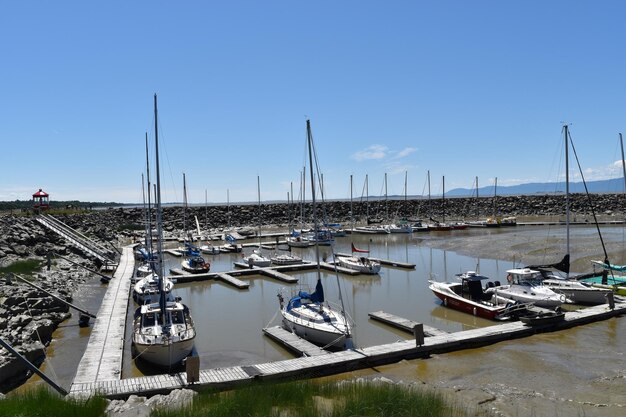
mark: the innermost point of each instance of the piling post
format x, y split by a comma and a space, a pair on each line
611, 300
192, 368
418, 332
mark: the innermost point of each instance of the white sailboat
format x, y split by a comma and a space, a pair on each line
575, 291
363, 264
309, 315
256, 258
163, 332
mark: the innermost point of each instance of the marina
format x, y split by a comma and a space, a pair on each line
105, 376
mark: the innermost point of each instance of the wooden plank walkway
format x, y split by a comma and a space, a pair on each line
181, 276
403, 324
334, 363
102, 359
294, 343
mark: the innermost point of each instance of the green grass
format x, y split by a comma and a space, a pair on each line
294, 399
22, 267
42, 403
309, 399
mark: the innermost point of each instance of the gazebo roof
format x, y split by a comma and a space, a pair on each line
40, 193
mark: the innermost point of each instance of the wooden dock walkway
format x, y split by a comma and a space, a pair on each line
181, 276
403, 324
294, 343
102, 360
334, 363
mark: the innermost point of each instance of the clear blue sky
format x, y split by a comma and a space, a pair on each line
460, 88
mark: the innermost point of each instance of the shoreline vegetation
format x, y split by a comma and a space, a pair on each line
379, 397
28, 317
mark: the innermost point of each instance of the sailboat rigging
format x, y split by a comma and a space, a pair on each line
307, 314
163, 332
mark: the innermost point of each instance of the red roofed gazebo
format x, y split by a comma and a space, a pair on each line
41, 200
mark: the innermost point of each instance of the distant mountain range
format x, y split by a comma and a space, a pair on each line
615, 185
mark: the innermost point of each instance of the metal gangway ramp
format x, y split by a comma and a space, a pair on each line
77, 239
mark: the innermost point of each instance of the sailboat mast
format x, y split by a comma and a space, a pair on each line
495, 198
477, 201
386, 201
228, 206
258, 187
367, 199
315, 225
149, 215
351, 212
443, 198
567, 202
184, 205
143, 193
162, 303
621, 142
405, 189
430, 213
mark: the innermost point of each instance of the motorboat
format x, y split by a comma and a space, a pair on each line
525, 285
467, 295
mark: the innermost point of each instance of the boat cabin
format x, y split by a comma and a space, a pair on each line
524, 276
471, 285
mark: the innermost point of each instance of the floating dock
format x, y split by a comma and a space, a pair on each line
404, 324
110, 385
294, 343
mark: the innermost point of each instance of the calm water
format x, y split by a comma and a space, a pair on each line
229, 322
577, 369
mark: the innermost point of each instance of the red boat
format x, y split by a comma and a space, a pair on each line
468, 296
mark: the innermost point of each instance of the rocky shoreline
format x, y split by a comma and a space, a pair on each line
28, 317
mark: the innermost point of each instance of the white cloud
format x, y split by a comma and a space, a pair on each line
405, 152
371, 152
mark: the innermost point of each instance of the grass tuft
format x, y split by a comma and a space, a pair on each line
41, 402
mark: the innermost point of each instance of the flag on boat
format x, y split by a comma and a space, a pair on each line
355, 249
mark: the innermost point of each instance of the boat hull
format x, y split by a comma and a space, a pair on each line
454, 301
333, 333
164, 355
365, 267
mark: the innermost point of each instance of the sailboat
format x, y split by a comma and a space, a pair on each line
193, 262
615, 283
307, 314
256, 258
146, 288
163, 332
363, 264
373, 226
